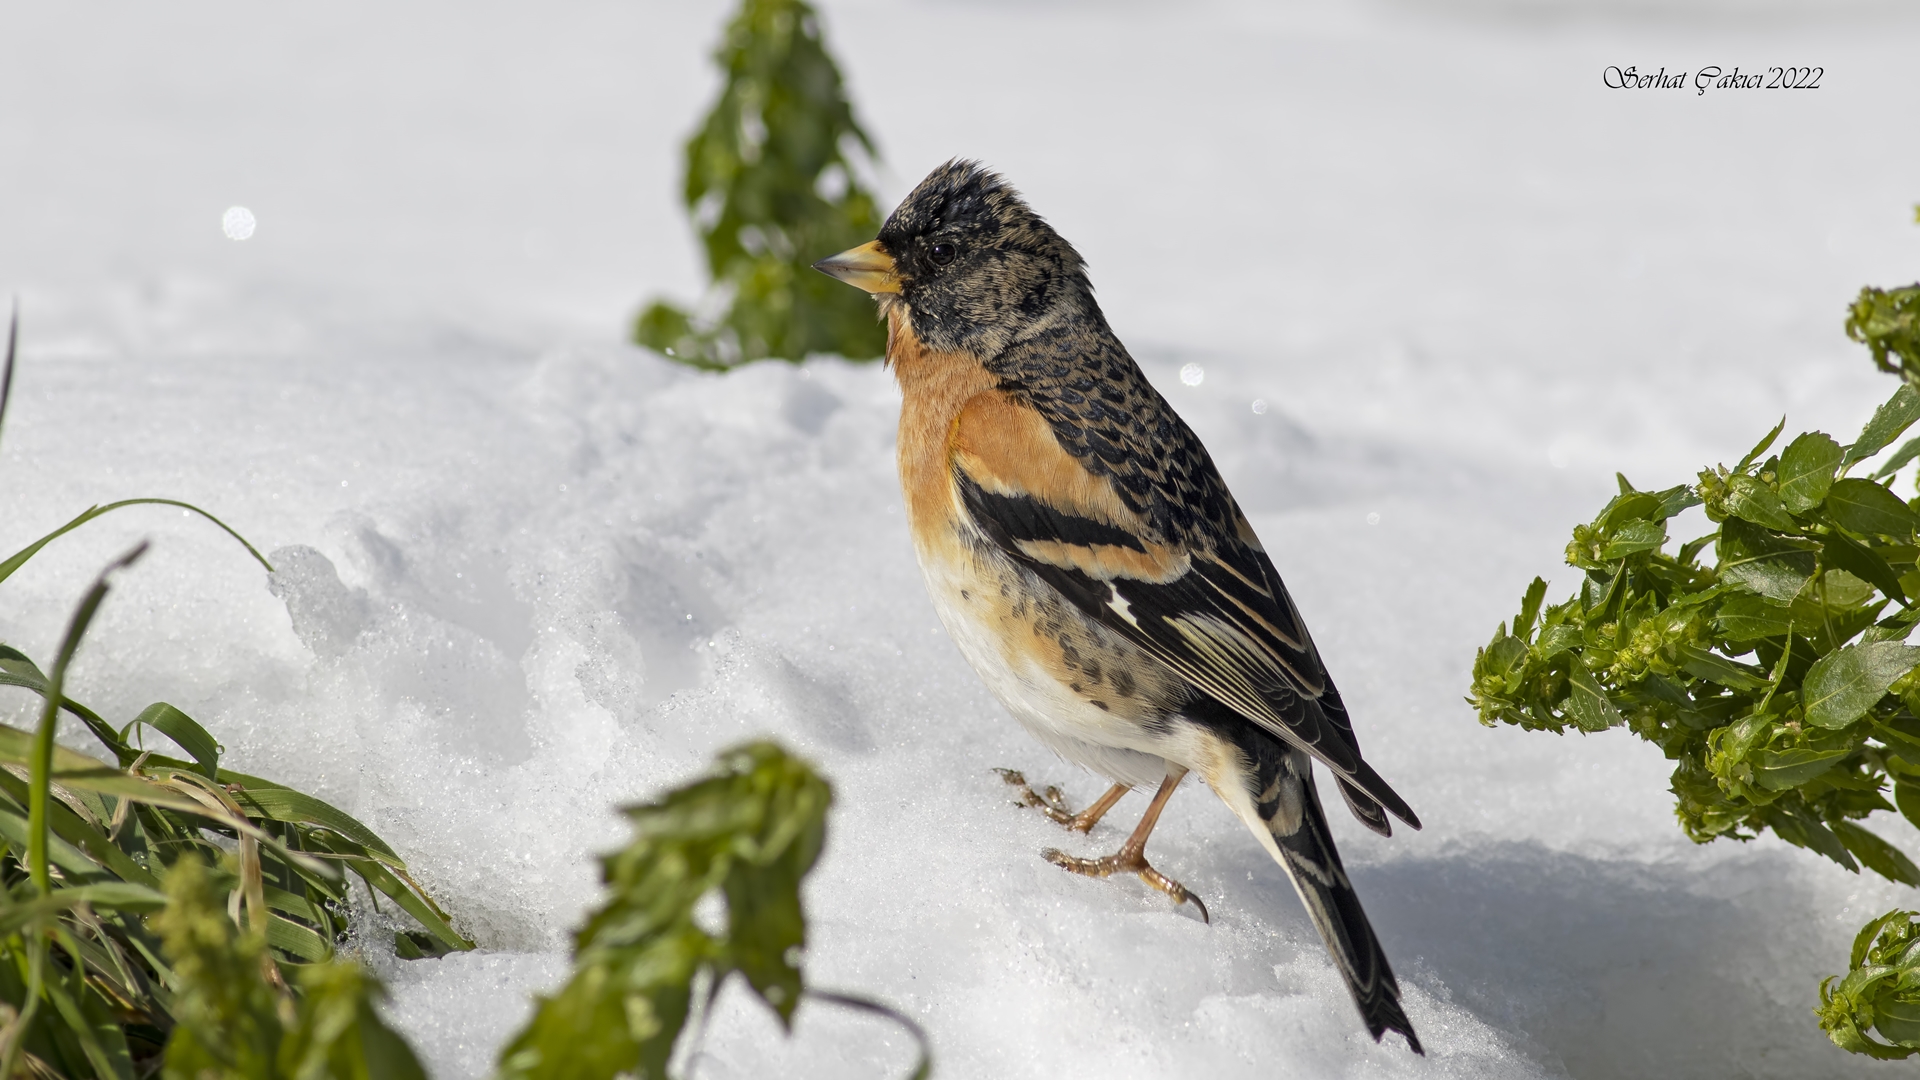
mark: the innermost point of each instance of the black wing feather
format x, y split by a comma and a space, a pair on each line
1226, 625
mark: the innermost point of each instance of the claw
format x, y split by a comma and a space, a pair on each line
1127, 861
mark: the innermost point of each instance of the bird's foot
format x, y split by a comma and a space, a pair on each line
1048, 800
1127, 861
1055, 806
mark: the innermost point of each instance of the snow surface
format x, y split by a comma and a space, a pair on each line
528, 573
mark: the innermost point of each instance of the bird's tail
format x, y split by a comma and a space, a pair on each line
1289, 811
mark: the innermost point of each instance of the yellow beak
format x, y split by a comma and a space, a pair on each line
867, 267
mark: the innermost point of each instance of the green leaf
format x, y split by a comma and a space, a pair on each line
1876, 854
1784, 769
753, 831
1748, 618
1893, 417
1795, 825
1632, 538
1750, 499
1806, 471
1705, 664
339, 1032
1907, 452
1867, 508
1842, 552
1899, 1021
1629, 506
1906, 796
1845, 683
1588, 705
1529, 609
1675, 499
1755, 559
1760, 447
184, 730
1774, 579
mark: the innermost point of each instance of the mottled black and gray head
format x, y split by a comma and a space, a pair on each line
976, 268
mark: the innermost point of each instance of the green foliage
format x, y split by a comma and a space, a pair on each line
745, 836
771, 188
84, 847
749, 834
1887, 321
1880, 992
236, 1019
1776, 677
1764, 674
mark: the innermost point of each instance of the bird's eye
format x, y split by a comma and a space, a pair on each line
941, 254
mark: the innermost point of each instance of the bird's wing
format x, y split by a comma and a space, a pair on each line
1220, 618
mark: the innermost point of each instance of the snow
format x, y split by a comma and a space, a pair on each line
1434, 281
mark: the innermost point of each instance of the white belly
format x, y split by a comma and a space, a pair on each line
1117, 746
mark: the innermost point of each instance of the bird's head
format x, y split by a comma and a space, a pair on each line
975, 269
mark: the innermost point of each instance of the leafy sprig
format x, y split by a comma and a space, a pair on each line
238, 1020
1777, 676
1879, 993
745, 836
771, 187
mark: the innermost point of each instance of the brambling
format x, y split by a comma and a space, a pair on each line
1087, 558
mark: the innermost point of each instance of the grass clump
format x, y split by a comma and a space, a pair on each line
236, 1020
1776, 675
771, 187
166, 916
89, 849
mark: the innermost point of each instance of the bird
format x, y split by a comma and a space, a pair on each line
1087, 558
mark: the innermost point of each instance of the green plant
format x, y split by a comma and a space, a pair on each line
84, 846
235, 974
1777, 676
1880, 992
238, 1021
771, 187
746, 835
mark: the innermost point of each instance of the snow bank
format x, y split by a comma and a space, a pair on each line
526, 573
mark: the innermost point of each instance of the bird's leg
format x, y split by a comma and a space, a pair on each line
1132, 856
1050, 802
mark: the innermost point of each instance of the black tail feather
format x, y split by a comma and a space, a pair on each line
1367, 809
1312, 861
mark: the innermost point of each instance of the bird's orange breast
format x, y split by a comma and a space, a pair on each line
934, 387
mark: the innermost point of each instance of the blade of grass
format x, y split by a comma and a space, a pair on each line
411, 900
37, 837
184, 730
42, 763
117, 895
20, 557
17, 670
6, 373
286, 804
68, 826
